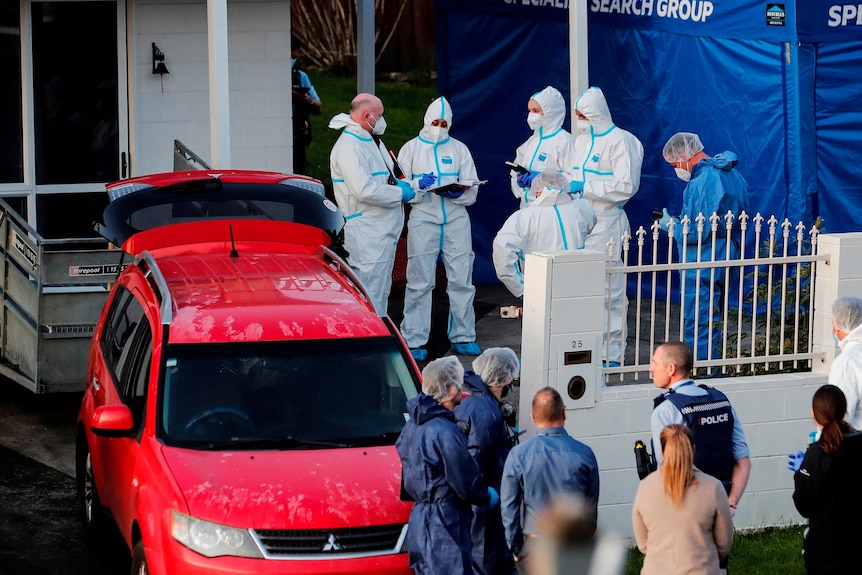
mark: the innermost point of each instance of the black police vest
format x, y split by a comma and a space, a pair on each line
710, 419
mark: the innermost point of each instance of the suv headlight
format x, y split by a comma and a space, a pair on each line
212, 539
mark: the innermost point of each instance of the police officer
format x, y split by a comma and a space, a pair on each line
721, 449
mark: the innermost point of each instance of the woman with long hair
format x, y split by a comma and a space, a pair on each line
829, 488
681, 516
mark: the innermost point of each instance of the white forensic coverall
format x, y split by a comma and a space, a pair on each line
438, 225
607, 160
372, 208
846, 373
549, 148
555, 221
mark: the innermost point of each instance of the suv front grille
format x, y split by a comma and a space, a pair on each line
377, 540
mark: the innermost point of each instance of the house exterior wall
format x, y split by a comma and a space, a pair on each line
176, 106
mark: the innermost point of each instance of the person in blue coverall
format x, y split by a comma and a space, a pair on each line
713, 186
550, 465
440, 475
489, 442
439, 225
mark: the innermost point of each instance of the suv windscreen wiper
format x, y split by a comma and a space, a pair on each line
287, 442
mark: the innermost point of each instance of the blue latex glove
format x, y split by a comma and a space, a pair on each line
664, 221
494, 497
576, 187
794, 460
453, 194
407, 192
427, 180
524, 180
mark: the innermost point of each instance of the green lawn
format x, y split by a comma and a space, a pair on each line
404, 108
769, 551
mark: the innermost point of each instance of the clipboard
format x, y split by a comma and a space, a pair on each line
457, 187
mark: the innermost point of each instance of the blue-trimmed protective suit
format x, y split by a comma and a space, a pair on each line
438, 225
444, 481
549, 148
715, 187
607, 166
553, 222
489, 443
360, 169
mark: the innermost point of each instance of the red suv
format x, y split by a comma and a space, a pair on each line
243, 394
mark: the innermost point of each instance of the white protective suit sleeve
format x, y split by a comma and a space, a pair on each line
508, 252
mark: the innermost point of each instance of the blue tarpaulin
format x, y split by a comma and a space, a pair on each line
780, 84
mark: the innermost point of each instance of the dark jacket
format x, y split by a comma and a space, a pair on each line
444, 481
829, 493
489, 443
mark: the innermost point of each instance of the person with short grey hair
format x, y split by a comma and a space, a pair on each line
489, 442
846, 370
439, 475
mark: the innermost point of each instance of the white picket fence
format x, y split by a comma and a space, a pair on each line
763, 322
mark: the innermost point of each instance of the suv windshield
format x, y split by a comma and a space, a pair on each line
285, 395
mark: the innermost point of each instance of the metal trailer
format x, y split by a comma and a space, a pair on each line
52, 294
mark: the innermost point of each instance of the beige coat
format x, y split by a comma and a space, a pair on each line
687, 540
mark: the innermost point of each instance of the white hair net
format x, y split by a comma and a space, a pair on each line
550, 179
440, 375
847, 313
681, 147
495, 364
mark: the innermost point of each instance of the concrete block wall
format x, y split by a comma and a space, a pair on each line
177, 105
775, 413
775, 410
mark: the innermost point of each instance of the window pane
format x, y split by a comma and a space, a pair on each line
11, 146
69, 215
75, 92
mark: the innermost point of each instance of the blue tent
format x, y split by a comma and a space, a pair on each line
780, 84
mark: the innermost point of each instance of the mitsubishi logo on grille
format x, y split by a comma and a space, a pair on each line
332, 544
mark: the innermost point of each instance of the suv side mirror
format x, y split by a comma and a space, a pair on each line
113, 421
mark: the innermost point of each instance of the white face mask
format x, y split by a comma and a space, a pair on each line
682, 174
583, 127
379, 126
535, 120
437, 133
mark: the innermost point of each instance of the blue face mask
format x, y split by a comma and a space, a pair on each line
292, 62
